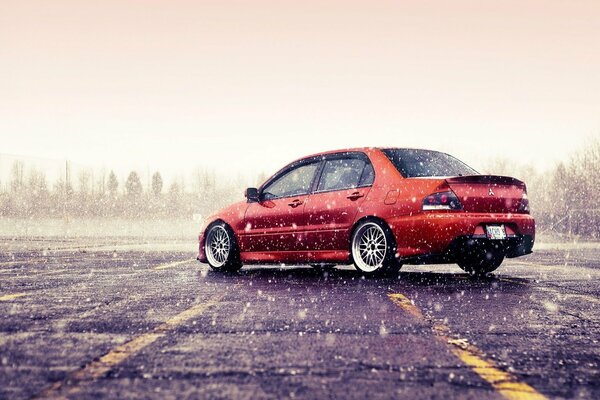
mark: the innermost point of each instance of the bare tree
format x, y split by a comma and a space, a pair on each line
133, 185
84, 184
113, 184
157, 184
17, 174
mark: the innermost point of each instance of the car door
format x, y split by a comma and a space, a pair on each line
343, 185
277, 222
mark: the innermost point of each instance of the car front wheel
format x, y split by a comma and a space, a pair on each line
221, 249
374, 248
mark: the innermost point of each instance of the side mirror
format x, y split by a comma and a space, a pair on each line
252, 195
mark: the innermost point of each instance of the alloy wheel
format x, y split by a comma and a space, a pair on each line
218, 246
369, 247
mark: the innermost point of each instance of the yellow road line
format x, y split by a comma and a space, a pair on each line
74, 382
8, 297
503, 382
173, 264
403, 302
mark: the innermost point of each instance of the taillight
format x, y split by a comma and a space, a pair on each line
441, 201
524, 204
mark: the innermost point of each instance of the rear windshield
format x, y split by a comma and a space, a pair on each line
412, 163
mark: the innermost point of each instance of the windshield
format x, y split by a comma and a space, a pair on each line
414, 163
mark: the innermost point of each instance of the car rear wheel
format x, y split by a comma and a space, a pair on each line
373, 249
221, 249
481, 261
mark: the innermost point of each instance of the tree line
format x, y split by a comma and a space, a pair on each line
564, 199
28, 194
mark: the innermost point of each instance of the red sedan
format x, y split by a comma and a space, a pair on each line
377, 208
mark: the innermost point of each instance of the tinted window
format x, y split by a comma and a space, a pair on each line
412, 163
293, 183
368, 176
341, 174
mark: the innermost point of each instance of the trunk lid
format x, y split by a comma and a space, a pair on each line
490, 193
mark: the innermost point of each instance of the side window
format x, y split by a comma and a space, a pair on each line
294, 183
368, 176
341, 174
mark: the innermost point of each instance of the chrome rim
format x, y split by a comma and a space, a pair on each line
218, 246
369, 246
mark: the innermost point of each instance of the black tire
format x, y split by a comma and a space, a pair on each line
221, 248
373, 249
481, 261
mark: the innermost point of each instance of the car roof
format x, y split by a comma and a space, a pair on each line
348, 150
325, 153
361, 149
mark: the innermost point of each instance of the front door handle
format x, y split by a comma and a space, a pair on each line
295, 203
355, 196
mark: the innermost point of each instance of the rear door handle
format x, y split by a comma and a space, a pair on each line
295, 203
355, 196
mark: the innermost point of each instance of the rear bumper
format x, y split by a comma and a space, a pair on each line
514, 246
439, 233
511, 247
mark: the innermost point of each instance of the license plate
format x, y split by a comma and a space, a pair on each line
495, 232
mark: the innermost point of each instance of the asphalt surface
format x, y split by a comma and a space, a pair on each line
84, 321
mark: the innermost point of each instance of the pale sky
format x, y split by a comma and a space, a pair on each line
247, 86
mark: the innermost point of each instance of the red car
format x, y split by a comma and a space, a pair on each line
377, 208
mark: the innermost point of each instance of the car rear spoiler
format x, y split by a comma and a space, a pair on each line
486, 179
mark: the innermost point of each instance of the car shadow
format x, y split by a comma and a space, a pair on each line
444, 281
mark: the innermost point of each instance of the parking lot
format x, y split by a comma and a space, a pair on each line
83, 319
